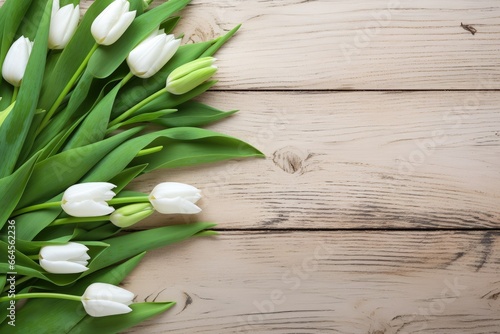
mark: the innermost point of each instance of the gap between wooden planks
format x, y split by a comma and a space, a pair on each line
325, 282
352, 160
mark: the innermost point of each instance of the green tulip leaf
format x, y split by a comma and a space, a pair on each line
122, 179
146, 117
182, 147
15, 128
219, 42
31, 19
118, 323
131, 244
27, 230
169, 101
193, 113
60, 171
93, 128
12, 187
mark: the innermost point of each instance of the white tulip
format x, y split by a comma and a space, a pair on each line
112, 22
147, 58
63, 24
102, 299
88, 199
173, 197
70, 258
16, 61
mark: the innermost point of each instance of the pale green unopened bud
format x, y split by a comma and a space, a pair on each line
131, 214
189, 76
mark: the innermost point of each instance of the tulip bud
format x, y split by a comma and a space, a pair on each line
63, 24
88, 199
147, 58
102, 299
173, 197
131, 214
110, 25
16, 61
190, 75
70, 258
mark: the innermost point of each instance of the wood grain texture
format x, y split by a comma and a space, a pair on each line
349, 45
353, 160
325, 282
342, 160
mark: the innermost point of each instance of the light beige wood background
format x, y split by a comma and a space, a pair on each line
377, 207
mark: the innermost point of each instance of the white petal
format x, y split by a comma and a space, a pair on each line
105, 291
175, 189
87, 208
62, 267
71, 25
144, 56
91, 190
119, 28
63, 252
105, 21
55, 7
174, 205
167, 53
16, 61
103, 308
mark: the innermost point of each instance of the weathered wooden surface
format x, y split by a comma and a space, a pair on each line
400, 159
325, 282
354, 160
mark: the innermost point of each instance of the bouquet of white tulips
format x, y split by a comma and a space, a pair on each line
75, 130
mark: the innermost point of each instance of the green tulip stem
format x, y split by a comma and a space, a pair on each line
48, 205
67, 89
14, 95
127, 200
41, 295
147, 151
138, 106
36, 207
75, 220
126, 79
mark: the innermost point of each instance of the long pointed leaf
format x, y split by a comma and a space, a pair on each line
15, 128
119, 323
12, 188
60, 171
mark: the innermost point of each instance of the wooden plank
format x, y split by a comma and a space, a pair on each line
349, 45
353, 160
320, 282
